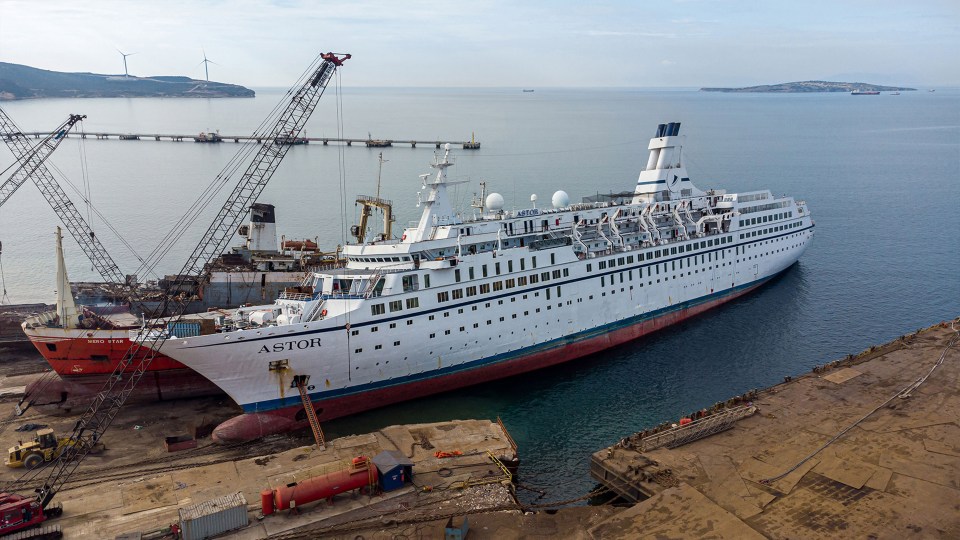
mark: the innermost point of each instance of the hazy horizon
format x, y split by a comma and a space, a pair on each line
496, 44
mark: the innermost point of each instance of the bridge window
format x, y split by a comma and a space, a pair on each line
410, 283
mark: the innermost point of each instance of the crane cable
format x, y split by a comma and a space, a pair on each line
85, 178
342, 180
209, 193
341, 162
3, 281
62, 179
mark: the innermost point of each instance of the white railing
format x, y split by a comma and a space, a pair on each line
302, 297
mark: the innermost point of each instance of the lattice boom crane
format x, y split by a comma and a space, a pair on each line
290, 122
32, 166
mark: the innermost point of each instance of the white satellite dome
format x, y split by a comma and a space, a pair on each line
494, 202
560, 199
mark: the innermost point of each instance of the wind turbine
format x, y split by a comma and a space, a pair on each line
206, 64
125, 55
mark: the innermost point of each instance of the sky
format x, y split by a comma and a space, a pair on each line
510, 43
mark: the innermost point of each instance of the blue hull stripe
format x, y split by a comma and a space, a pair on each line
274, 404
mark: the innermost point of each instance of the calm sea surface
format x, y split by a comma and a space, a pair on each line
881, 175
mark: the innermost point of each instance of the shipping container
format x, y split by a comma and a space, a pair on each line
184, 329
210, 518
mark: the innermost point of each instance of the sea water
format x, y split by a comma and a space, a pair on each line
880, 175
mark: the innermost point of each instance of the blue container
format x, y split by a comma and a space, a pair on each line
184, 329
393, 469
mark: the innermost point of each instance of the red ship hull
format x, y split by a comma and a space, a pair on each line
84, 359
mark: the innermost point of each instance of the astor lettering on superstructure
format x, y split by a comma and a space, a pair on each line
297, 344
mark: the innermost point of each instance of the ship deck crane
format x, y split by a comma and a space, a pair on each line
32, 166
368, 204
107, 403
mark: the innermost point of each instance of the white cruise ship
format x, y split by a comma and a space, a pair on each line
458, 301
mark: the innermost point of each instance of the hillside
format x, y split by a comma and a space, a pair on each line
812, 86
25, 82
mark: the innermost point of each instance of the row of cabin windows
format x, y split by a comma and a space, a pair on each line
751, 234
764, 207
484, 272
376, 348
703, 258
654, 254
489, 322
748, 197
520, 281
381, 259
742, 250
765, 219
395, 305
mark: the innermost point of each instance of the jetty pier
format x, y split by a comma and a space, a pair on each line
218, 138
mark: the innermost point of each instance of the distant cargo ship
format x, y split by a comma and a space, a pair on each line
865, 93
457, 302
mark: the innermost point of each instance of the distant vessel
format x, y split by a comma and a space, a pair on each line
526, 90
474, 144
895, 94
377, 143
457, 301
291, 138
865, 93
208, 137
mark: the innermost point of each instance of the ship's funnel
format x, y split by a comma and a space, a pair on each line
664, 177
262, 234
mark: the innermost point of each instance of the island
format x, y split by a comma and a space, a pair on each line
24, 82
813, 86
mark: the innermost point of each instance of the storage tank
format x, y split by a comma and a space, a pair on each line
358, 474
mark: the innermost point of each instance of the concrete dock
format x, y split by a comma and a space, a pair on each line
135, 485
842, 451
895, 474
150, 500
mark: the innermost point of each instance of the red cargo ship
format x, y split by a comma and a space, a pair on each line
84, 347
